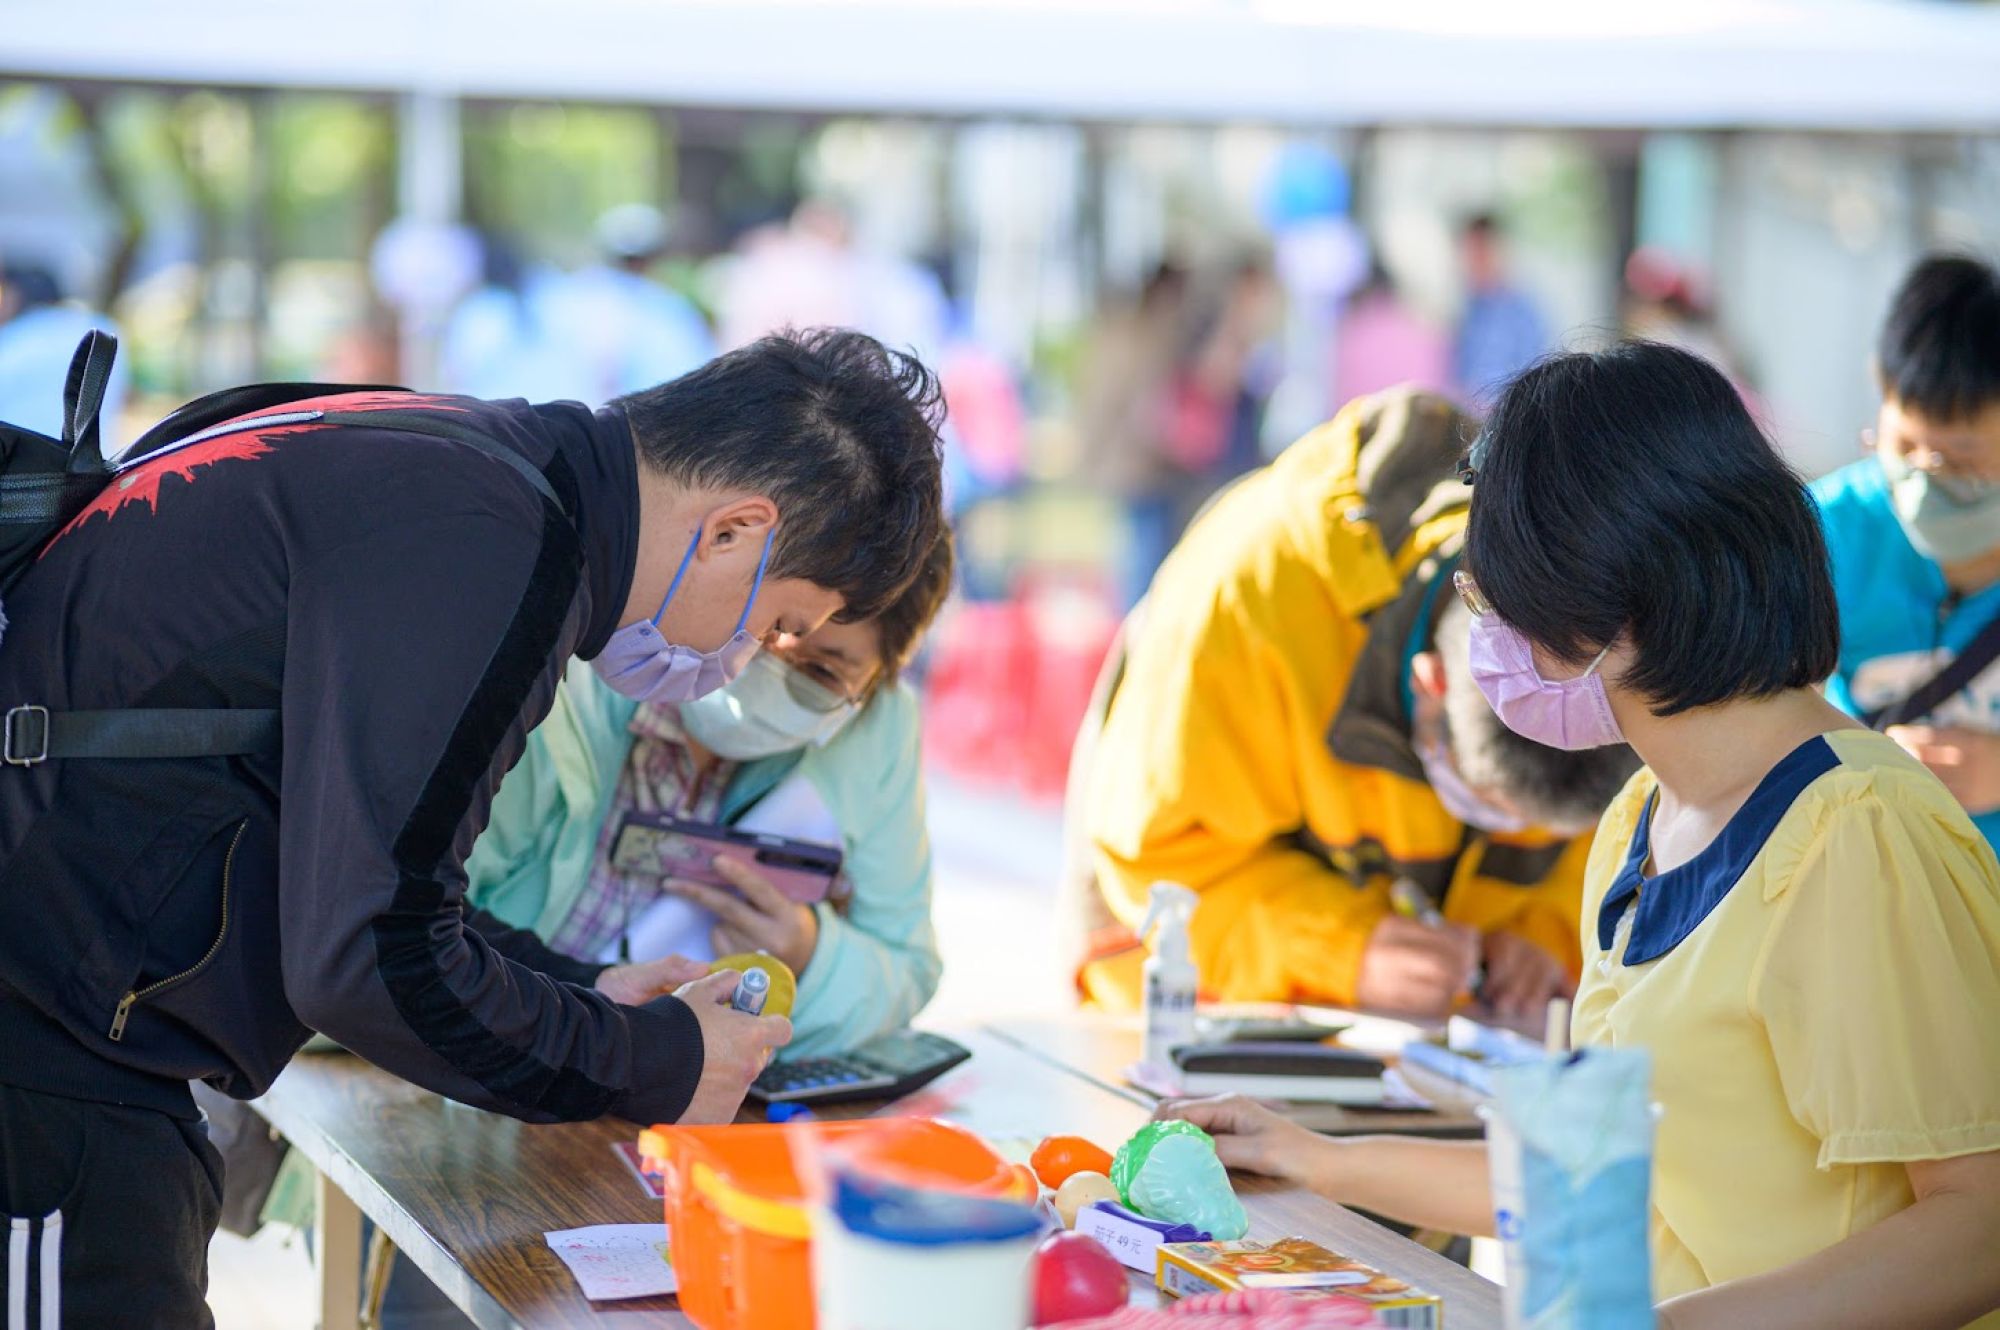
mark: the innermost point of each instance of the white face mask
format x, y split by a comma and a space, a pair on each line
769, 708
1947, 521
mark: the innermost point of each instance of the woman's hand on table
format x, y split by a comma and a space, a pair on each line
1253, 1138
754, 917
1427, 1184
735, 1048
642, 981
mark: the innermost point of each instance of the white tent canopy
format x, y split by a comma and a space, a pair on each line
1827, 64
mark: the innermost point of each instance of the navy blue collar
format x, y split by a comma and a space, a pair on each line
1675, 902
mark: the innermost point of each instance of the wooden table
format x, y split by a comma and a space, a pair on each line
467, 1195
1100, 1047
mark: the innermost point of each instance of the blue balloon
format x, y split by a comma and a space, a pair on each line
1306, 182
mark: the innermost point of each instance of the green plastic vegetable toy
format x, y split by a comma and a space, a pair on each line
1169, 1171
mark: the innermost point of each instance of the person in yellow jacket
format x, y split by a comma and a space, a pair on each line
1292, 732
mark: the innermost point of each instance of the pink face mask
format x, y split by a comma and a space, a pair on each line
1571, 714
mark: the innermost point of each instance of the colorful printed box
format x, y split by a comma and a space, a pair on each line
1298, 1267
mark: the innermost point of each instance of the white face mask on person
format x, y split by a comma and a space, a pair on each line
769, 708
1947, 520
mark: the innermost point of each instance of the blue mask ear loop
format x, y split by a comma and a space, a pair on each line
763, 561
679, 573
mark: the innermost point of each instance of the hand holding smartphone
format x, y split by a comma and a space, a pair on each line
656, 845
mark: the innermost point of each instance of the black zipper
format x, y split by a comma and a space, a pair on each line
138, 995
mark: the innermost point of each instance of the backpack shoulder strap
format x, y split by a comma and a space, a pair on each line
34, 734
1935, 691
205, 413
443, 425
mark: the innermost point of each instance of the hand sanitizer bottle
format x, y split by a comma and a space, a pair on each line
1170, 975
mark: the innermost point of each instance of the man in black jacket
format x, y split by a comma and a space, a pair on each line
406, 603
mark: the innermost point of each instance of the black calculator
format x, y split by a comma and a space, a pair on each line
887, 1067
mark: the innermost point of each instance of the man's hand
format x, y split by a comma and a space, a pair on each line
1967, 761
1414, 967
1521, 977
643, 981
759, 919
735, 1048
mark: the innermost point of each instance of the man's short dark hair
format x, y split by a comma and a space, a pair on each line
1552, 788
1939, 349
1628, 491
902, 625
837, 430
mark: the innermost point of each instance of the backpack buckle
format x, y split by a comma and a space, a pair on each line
26, 741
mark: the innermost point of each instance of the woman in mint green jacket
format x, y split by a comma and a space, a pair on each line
870, 961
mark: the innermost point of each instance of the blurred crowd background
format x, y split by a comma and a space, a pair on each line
1138, 269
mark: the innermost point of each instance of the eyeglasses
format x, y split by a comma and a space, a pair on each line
1469, 592
811, 694
1951, 475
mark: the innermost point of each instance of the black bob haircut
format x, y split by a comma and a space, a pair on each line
1939, 349
1628, 491
837, 430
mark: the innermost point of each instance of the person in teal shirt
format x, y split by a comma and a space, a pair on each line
1914, 530
820, 742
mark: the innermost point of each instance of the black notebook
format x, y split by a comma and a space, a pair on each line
1304, 1073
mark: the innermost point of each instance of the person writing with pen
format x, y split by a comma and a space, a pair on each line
1291, 729
1788, 913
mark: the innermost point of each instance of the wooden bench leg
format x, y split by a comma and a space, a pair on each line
337, 1247
381, 1263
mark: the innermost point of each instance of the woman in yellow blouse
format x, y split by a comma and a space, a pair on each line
1793, 916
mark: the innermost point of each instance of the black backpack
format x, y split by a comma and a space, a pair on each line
45, 483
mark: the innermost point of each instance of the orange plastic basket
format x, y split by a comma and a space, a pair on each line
736, 1207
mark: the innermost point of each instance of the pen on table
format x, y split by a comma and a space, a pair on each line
1412, 902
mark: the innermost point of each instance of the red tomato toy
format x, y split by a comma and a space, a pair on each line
1076, 1279
1057, 1158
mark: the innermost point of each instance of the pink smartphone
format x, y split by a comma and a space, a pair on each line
658, 846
